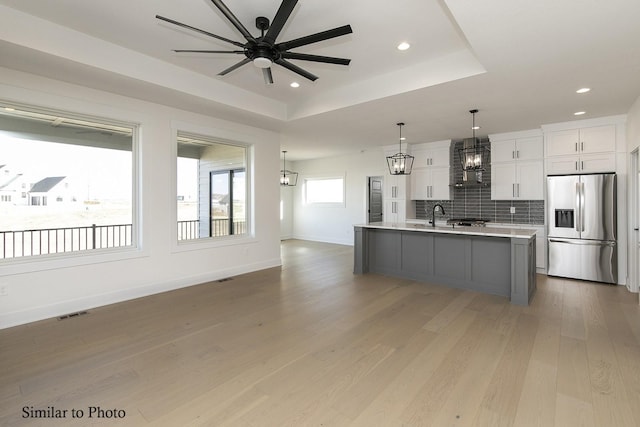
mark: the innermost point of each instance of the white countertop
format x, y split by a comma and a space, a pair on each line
522, 233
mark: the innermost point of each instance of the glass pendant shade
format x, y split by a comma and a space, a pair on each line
287, 178
400, 163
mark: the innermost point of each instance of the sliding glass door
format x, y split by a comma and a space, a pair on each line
228, 202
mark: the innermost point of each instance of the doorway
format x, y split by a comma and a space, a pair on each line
227, 210
374, 199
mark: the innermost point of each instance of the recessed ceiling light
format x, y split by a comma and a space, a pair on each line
475, 127
295, 84
579, 113
404, 46
403, 138
583, 90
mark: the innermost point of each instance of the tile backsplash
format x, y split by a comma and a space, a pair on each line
475, 202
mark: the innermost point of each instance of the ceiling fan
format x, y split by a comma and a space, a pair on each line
263, 51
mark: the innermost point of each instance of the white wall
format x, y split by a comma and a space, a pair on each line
633, 143
633, 126
51, 286
335, 224
286, 218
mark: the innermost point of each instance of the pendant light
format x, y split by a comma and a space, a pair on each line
473, 156
287, 177
400, 163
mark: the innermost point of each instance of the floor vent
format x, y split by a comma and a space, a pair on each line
69, 316
226, 279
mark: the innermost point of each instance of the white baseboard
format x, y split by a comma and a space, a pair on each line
34, 314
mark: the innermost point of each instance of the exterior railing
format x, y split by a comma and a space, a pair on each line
188, 230
220, 227
20, 243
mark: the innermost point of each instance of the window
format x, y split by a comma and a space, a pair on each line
324, 191
212, 199
71, 186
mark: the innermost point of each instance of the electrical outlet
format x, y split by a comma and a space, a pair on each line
512, 209
4, 290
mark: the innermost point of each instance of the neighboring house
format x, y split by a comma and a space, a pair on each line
53, 190
13, 188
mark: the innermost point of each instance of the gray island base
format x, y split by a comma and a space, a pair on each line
490, 260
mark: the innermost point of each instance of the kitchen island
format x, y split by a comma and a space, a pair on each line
498, 261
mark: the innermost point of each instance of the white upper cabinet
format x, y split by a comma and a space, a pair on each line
440, 187
583, 163
517, 149
433, 154
597, 139
582, 150
562, 142
430, 175
430, 184
517, 168
517, 180
530, 180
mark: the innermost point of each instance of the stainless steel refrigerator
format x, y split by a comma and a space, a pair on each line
582, 224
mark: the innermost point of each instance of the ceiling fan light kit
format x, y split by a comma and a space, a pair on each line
262, 62
263, 51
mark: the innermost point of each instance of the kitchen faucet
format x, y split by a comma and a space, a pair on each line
433, 213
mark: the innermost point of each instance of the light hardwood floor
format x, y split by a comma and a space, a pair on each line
311, 344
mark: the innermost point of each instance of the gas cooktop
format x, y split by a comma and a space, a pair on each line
469, 222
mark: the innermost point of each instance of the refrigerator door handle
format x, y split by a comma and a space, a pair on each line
583, 242
582, 207
578, 226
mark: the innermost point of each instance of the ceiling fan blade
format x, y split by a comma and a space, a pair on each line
283, 13
206, 51
314, 38
198, 30
315, 58
296, 69
268, 77
233, 67
232, 18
